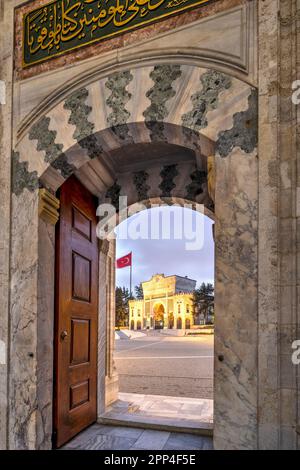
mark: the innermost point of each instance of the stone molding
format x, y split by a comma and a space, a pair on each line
48, 207
236, 57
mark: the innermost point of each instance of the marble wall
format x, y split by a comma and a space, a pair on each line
278, 247
6, 69
235, 364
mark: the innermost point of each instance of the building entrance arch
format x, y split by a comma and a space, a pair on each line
197, 145
159, 320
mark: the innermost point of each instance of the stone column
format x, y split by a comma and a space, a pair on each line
235, 393
112, 386
278, 378
102, 325
32, 318
289, 213
6, 69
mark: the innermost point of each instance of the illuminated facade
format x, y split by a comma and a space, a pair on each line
167, 303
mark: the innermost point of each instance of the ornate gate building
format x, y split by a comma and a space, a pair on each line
167, 303
165, 102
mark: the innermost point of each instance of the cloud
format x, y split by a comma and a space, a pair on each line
167, 256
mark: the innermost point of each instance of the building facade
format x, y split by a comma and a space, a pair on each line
197, 107
167, 303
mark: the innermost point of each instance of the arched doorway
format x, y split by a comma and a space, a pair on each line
187, 323
139, 325
171, 321
159, 311
219, 135
179, 323
132, 325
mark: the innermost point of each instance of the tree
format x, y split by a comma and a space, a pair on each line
139, 292
122, 306
203, 300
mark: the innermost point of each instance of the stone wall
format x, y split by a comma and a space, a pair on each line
6, 69
278, 307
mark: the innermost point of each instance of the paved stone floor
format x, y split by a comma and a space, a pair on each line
102, 437
177, 412
146, 365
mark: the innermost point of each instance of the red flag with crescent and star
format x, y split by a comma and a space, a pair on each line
124, 261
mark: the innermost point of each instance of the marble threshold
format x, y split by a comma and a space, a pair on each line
158, 412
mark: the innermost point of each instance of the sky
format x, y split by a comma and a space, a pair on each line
181, 252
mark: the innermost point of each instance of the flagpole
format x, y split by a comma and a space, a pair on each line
131, 276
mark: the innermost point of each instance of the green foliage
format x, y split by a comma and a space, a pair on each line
122, 307
203, 301
139, 292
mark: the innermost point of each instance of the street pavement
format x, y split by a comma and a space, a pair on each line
161, 365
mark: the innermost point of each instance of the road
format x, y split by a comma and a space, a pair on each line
162, 365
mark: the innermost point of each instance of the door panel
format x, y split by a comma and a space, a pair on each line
75, 393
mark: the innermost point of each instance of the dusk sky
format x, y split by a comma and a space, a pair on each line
152, 256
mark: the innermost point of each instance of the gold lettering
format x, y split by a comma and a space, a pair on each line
52, 26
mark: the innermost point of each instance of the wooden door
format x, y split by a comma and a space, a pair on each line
75, 391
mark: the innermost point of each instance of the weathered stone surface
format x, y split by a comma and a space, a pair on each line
117, 84
213, 83
45, 139
80, 111
244, 131
140, 182
21, 177
168, 174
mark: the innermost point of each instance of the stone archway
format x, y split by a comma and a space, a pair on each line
158, 312
211, 118
171, 320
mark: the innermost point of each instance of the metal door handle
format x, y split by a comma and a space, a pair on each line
64, 334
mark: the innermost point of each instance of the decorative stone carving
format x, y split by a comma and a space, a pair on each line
21, 177
76, 103
159, 94
117, 84
162, 90
140, 182
198, 177
213, 82
53, 151
48, 206
46, 139
244, 132
113, 193
168, 174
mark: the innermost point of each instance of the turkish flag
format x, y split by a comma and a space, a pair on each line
124, 261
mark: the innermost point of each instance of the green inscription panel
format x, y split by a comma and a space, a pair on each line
65, 25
